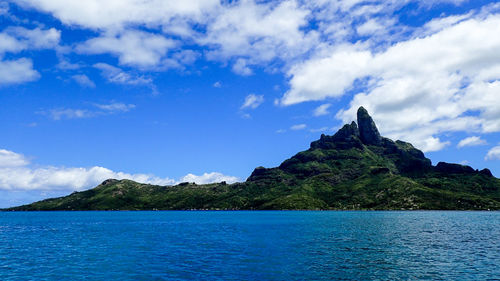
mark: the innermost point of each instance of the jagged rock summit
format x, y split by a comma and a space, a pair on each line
356, 168
368, 131
353, 135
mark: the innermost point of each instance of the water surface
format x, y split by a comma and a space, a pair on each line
241, 245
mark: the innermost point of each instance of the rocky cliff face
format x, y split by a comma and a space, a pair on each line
368, 131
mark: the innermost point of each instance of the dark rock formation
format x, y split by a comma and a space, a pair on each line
347, 137
347, 132
368, 131
450, 168
486, 172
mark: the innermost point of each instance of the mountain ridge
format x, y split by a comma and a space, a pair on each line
356, 168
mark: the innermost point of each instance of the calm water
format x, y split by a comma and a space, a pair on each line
250, 245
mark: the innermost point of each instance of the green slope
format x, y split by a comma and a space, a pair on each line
354, 169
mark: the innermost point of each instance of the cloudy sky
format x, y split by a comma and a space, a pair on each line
166, 91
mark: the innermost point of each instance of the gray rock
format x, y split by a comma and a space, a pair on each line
368, 132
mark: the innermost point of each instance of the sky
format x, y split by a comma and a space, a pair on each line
163, 92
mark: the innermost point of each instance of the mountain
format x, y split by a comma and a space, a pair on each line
356, 168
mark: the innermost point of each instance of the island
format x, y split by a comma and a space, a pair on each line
354, 169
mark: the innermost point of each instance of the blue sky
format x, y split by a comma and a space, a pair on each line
205, 91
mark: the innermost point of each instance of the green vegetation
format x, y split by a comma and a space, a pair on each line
346, 171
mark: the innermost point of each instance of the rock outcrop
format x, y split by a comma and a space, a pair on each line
368, 131
450, 168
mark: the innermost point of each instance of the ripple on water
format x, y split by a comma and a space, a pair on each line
250, 245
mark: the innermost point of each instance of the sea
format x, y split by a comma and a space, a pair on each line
250, 245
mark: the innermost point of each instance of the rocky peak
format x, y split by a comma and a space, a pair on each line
368, 132
345, 138
347, 132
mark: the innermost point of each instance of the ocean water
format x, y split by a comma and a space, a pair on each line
241, 245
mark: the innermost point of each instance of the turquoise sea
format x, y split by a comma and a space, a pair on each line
250, 245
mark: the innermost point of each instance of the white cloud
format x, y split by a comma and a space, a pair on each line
322, 110
321, 78
17, 39
118, 76
255, 31
217, 84
54, 178
373, 27
415, 89
17, 71
36, 38
260, 31
493, 154
17, 173
134, 48
240, 67
471, 141
426, 75
83, 80
11, 159
115, 15
438, 24
298, 127
253, 101
208, 178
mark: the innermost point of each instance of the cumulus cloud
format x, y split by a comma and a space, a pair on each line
17, 71
260, 31
17, 173
104, 15
430, 83
247, 32
471, 141
443, 72
252, 101
17, 39
322, 110
12, 159
135, 48
36, 38
493, 154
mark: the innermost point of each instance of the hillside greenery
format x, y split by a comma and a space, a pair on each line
355, 169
